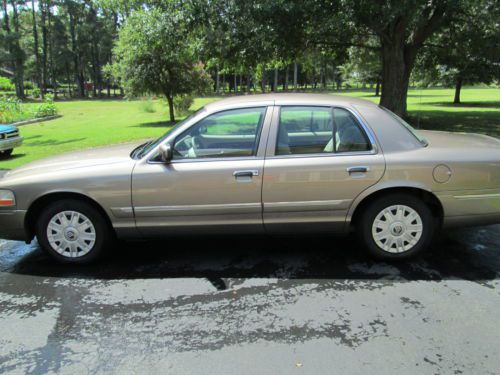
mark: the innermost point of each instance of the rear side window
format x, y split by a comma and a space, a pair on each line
314, 130
349, 136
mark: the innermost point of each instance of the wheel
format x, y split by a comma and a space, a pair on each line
73, 231
396, 226
6, 153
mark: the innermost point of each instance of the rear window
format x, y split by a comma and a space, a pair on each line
408, 127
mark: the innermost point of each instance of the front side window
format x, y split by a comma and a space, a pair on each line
231, 133
314, 130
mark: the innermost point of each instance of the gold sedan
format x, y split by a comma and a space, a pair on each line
284, 163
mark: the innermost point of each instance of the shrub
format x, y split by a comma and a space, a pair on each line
182, 103
6, 84
147, 106
36, 93
11, 110
48, 108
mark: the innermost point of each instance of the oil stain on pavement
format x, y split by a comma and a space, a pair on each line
235, 305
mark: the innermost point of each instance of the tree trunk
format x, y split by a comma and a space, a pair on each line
397, 63
275, 83
377, 88
241, 84
249, 82
263, 81
295, 75
18, 56
235, 83
170, 101
217, 80
45, 54
35, 46
285, 84
51, 52
458, 88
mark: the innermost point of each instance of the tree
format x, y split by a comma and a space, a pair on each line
402, 27
155, 55
466, 52
13, 54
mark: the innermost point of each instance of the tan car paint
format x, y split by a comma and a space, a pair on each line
146, 198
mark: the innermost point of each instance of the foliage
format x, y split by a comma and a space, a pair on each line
47, 108
13, 110
154, 56
6, 84
182, 103
147, 106
466, 51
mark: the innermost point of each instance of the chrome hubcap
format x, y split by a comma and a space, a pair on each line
397, 229
71, 234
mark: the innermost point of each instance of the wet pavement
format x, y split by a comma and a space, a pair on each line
254, 306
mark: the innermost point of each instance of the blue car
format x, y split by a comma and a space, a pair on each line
9, 139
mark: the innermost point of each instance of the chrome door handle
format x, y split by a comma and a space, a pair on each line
246, 173
359, 169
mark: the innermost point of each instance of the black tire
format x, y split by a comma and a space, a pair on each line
6, 153
370, 213
104, 235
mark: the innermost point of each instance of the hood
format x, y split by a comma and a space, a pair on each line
466, 141
81, 159
7, 128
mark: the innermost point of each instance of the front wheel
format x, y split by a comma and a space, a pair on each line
396, 226
6, 153
73, 231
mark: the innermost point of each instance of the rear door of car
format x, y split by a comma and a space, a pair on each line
318, 159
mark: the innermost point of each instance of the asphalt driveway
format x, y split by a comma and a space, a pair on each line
254, 306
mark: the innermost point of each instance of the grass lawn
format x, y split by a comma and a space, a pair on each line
92, 123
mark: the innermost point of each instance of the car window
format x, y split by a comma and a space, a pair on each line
349, 136
304, 130
313, 130
229, 133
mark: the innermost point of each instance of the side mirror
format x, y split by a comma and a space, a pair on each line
166, 152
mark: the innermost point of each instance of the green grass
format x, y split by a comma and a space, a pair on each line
433, 109
92, 123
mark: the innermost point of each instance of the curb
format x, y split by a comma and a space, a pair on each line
40, 119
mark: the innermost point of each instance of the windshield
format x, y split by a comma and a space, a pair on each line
145, 148
408, 127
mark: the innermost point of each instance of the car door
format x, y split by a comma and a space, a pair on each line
318, 160
213, 184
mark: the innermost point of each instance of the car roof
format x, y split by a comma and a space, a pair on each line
286, 99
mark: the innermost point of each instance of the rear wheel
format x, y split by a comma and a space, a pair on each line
396, 226
73, 231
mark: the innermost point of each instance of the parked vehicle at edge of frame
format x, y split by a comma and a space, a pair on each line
9, 139
282, 163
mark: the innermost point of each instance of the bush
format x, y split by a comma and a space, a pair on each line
48, 108
182, 103
147, 106
11, 110
36, 93
6, 84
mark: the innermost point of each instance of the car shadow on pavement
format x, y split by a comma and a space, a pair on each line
471, 254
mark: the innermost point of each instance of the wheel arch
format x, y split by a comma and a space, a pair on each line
425, 195
43, 201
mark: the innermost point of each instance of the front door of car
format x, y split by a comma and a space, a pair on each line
318, 160
213, 184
